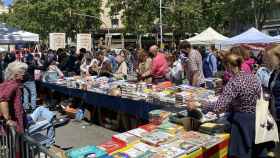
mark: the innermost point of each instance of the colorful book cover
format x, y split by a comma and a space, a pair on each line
139, 132
149, 127
170, 128
169, 152
111, 146
157, 138
125, 138
85, 152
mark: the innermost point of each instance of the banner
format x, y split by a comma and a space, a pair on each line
84, 41
57, 40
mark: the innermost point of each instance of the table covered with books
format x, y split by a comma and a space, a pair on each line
136, 99
169, 133
164, 140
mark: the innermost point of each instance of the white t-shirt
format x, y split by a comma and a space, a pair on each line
177, 71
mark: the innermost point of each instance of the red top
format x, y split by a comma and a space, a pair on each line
159, 66
10, 91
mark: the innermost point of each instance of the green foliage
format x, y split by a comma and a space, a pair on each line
139, 16
46, 16
182, 16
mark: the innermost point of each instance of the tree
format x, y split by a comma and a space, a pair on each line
181, 16
242, 14
46, 16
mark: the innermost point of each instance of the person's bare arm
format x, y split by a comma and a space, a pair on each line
4, 108
195, 77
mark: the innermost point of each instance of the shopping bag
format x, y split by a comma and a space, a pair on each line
266, 127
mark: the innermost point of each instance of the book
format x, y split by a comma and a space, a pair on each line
139, 132
157, 138
149, 127
125, 138
111, 146
85, 152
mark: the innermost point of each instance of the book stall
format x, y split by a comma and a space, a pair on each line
171, 131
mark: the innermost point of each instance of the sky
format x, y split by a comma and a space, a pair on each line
7, 2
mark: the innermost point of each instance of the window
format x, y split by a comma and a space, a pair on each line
115, 23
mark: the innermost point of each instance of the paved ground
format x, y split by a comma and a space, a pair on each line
78, 134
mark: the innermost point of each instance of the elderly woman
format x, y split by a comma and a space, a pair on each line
239, 97
11, 108
11, 93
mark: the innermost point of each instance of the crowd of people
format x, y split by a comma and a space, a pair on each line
244, 75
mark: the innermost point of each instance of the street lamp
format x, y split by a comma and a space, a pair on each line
160, 20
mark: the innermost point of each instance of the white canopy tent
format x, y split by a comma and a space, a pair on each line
252, 36
207, 37
9, 35
277, 38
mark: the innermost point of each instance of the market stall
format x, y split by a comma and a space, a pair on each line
152, 142
134, 99
277, 38
10, 35
138, 108
251, 36
207, 37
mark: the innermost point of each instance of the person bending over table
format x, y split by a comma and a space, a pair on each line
105, 65
239, 97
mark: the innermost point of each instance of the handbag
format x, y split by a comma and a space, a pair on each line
266, 127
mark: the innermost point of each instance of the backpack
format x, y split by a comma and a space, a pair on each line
207, 66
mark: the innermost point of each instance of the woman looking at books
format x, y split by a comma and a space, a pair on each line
239, 97
122, 70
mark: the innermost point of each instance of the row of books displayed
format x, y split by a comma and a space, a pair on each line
166, 93
167, 140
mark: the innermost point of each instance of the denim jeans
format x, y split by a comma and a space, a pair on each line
29, 95
43, 121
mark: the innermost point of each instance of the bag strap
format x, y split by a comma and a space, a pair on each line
261, 97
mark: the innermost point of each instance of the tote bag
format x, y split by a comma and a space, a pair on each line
266, 127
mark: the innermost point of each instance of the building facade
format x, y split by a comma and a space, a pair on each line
112, 22
3, 9
272, 25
